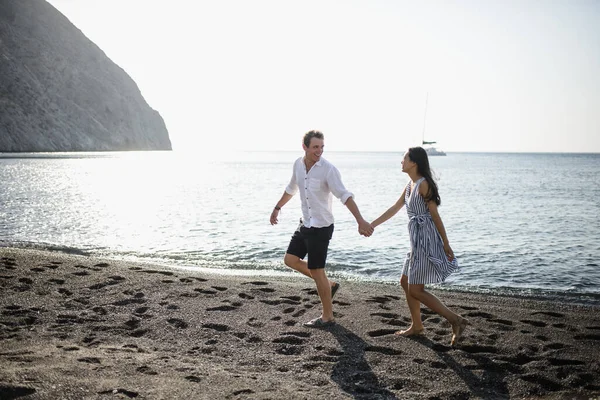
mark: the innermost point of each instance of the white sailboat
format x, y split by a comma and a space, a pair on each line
427, 145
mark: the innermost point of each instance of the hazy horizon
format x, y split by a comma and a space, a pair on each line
515, 76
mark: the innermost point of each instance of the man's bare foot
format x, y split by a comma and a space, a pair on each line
457, 329
412, 331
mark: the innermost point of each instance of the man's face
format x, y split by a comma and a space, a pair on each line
315, 149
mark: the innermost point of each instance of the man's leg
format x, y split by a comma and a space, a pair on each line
297, 263
301, 266
324, 290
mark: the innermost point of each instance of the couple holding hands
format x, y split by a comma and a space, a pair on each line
430, 260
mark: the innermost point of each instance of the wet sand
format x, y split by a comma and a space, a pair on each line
74, 327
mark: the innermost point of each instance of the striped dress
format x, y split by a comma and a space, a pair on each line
426, 262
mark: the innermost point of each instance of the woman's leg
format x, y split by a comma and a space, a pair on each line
414, 306
433, 303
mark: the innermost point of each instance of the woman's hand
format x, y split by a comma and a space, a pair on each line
448, 251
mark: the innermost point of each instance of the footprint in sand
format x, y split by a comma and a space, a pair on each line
383, 350
385, 315
144, 369
280, 301
178, 323
128, 393
255, 323
534, 322
381, 332
126, 302
141, 310
64, 291
205, 291
290, 339
217, 327
549, 314
310, 291
341, 303
382, 301
299, 313
478, 348
256, 283
14, 392
593, 328
113, 280
587, 337
152, 271
89, 360
222, 308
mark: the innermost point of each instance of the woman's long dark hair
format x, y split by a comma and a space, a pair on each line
418, 155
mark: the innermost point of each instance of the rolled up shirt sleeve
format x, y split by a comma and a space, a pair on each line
292, 187
334, 180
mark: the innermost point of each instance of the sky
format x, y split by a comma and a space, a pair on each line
497, 76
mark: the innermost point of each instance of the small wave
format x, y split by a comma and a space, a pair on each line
46, 246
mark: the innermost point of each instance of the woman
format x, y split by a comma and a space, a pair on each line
431, 259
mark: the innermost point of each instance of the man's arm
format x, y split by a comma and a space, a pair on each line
334, 180
285, 197
289, 192
364, 228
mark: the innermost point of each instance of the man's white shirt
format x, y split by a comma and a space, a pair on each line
316, 188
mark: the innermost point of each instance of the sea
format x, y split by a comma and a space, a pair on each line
519, 224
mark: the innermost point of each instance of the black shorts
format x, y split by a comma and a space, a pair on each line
311, 241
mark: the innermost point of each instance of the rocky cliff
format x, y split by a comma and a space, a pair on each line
60, 92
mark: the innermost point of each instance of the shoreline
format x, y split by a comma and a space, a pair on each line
79, 327
582, 298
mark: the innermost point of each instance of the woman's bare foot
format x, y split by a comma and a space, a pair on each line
458, 328
412, 331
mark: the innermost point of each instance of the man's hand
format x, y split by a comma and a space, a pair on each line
274, 215
365, 228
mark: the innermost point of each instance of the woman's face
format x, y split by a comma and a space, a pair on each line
407, 164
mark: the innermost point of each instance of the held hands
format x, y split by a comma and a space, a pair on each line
365, 228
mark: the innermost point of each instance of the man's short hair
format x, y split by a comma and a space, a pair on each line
312, 134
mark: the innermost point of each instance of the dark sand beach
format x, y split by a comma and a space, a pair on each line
74, 327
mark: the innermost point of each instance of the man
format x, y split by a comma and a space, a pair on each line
316, 179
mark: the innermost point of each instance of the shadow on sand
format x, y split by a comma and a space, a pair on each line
488, 384
352, 371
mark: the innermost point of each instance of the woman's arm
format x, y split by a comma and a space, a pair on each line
390, 212
437, 220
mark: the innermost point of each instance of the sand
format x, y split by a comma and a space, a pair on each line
75, 327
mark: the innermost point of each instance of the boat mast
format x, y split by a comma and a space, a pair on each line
425, 118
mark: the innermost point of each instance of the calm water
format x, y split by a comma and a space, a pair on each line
525, 223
